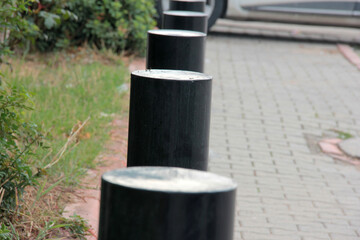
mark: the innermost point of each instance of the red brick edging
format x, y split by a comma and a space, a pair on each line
349, 53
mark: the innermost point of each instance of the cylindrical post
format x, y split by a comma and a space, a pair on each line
188, 5
161, 203
169, 119
175, 49
186, 20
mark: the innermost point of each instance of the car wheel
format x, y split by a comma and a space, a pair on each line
214, 8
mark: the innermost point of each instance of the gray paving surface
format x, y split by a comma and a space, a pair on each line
351, 147
271, 99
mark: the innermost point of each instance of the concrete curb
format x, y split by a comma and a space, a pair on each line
288, 31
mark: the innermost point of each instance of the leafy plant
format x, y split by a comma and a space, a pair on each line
49, 16
17, 136
14, 27
111, 24
5, 233
17, 141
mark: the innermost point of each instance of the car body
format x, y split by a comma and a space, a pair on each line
326, 12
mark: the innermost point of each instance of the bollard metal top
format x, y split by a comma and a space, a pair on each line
185, 13
177, 33
177, 75
169, 179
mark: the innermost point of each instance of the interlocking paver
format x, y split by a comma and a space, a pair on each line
268, 96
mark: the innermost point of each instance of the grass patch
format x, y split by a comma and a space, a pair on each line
75, 98
64, 97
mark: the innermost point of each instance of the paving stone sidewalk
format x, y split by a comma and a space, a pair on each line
272, 101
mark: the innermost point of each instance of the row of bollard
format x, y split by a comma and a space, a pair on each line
165, 193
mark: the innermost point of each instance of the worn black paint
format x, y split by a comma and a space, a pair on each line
186, 20
188, 5
135, 209
176, 49
169, 119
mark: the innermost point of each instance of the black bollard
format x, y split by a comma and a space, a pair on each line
188, 5
175, 49
186, 20
161, 203
169, 119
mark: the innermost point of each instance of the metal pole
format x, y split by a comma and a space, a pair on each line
186, 20
161, 203
175, 49
188, 5
169, 119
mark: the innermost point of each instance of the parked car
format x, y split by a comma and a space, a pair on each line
324, 12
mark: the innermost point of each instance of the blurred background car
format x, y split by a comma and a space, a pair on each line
315, 12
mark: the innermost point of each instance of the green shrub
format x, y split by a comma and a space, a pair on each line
17, 141
111, 24
17, 136
14, 27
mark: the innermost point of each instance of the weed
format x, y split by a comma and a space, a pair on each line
77, 226
48, 227
5, 233
343, 135
41, 192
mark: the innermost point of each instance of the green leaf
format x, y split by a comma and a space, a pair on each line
5, 233
50, 20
